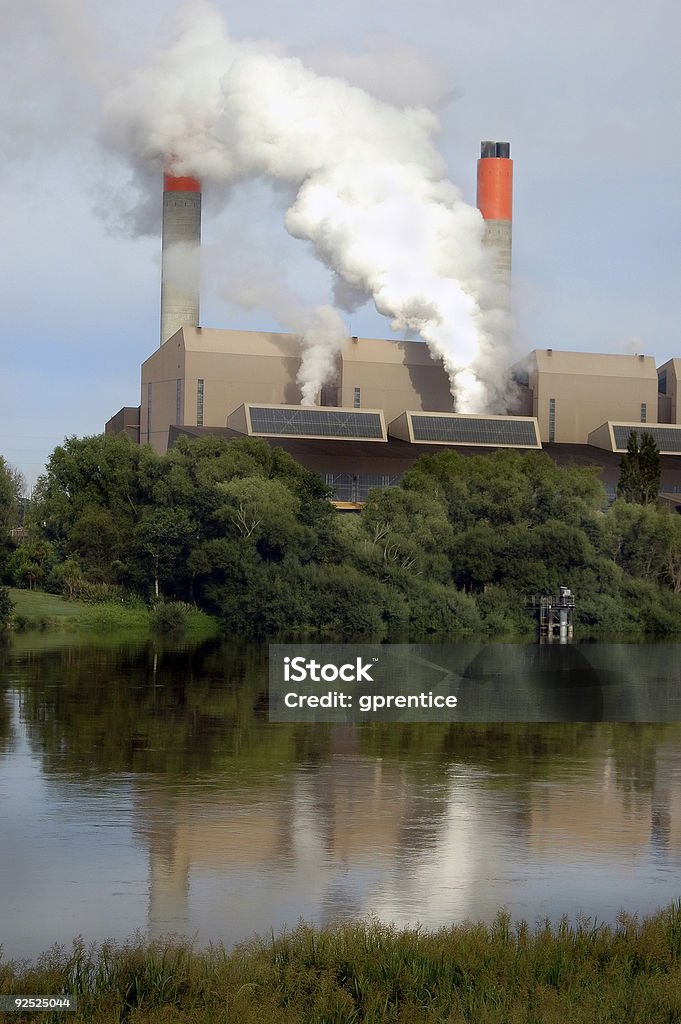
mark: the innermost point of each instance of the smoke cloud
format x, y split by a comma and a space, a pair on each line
251, 280
370, 190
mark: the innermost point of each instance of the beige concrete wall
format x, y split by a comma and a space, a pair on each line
393, 376
589, 389
602, 438
238, 367
162, 370
671, 406
261, 367
664, 409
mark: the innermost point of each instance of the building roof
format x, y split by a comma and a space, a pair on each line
272, 343
258, 420
614, 436
603, 364
466, 430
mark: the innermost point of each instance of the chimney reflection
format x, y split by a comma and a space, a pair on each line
406, 840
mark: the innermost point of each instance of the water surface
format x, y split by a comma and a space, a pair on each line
143, 788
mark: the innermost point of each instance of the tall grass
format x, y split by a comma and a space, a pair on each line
371, 973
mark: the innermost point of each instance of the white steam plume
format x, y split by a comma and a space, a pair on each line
371, 193
257, 284
323, 336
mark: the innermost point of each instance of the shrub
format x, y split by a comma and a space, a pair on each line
346, 604
96, 593
65, 578
170, 616
438, 612
6, 607
504, 613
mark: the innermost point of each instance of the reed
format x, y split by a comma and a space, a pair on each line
373, 973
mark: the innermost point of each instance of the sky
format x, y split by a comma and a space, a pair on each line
589, 96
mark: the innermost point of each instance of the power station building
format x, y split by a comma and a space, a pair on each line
388, 402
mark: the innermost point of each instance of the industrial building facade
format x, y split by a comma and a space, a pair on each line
200, 376
388, 402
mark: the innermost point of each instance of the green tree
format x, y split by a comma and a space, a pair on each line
90, 498
507, 488
672, 552
65, 578
478, 557
640, 470
263, 513
634, 536
650, 469
12, 486
164, 538
408, 530
6, 607
31, 563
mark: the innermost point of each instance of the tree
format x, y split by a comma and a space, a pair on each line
263, 513
31, 563
672, 530
640, 470
650, 468
94, 485
6, 607
11, 489
409, 530
12, 486
634, 536
165, 537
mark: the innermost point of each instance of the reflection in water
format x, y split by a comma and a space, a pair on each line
140, 788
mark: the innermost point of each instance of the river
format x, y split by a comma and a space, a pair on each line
142, 788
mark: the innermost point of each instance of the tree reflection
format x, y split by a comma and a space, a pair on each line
138, 709
144, 709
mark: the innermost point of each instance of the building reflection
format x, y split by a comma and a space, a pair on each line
351, 836
358, 835
307, 830
602, 813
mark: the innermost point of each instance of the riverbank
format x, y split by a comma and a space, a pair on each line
35, 610
372, 973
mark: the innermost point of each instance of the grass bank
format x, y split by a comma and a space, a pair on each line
35, 610
375, 974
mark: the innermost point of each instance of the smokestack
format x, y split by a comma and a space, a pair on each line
180, 254
495, 202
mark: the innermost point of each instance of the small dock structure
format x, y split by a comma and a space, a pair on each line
556, 613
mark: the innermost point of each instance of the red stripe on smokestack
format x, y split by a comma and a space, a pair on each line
495, 202
495, 182
173, 183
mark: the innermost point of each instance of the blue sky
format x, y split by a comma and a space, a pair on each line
587, 94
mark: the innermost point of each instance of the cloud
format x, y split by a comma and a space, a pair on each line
370, 188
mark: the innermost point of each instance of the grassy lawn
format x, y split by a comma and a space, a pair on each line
35, 610
35, 603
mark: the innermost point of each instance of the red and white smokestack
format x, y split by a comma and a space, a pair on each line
495, 202
180, 254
